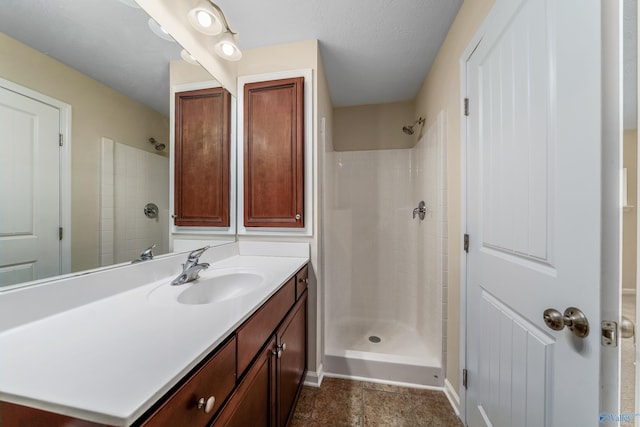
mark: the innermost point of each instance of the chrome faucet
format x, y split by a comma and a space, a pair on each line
145, 255
192, 267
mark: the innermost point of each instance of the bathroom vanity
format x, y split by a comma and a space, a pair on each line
228, 349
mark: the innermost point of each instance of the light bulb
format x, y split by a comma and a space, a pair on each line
228, 49
204, 18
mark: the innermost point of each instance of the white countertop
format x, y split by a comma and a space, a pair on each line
110, 360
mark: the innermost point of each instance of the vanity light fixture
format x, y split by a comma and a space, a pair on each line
227, 48
205, 19
159, 31
208, 18
187, 57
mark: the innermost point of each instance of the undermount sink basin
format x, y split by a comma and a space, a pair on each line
220, 288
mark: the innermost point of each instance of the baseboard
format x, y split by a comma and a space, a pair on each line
314, 379
453, 397
379, 381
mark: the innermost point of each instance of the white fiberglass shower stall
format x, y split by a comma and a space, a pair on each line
385, 312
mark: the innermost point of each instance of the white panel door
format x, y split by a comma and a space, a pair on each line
533, 214
29, 189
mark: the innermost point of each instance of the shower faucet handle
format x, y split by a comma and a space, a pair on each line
421, 210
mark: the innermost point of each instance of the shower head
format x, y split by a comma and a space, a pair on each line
409, 129
158, 145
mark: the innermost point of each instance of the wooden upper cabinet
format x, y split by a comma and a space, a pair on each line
274, 153
202, 158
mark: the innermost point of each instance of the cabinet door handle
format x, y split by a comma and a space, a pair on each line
305, 280
206, 404
279, 349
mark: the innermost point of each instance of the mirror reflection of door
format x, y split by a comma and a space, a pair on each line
628, 383
29, 177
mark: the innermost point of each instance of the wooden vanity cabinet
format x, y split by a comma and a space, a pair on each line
302, 280
253, 403
202, 158
254, 378
199, 398
258, 328
274, 153
268, 392
291, 366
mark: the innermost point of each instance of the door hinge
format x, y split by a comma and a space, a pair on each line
466, 243
60, 232
466, 106
60, 139
465, 378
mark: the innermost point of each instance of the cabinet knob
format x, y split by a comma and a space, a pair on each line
305, 280
298, 216
206, 404
279, 349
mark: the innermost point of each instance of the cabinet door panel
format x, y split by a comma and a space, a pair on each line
253, 402
274, 153
202, 158
292, 364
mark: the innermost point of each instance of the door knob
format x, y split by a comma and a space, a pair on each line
627, 328
573, 318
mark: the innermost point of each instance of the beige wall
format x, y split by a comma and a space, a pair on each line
374, 127
630, 217
303, 55
97, 111
441, 92
181, 72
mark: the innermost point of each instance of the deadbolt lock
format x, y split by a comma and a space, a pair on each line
573, 318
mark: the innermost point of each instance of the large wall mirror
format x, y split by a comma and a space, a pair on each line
96, 72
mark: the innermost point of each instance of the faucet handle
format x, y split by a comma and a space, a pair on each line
194, 255
147, 253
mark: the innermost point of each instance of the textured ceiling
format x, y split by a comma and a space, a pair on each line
374, 51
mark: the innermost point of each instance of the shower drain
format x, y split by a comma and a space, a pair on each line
374, 339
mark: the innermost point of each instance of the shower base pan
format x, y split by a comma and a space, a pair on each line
381, 351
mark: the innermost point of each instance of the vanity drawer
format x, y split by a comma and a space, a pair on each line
302, 281
256, 331
217, 378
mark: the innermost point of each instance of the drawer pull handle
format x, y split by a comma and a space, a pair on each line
206, 404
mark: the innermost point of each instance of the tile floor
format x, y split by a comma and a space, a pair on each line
345, 403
